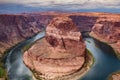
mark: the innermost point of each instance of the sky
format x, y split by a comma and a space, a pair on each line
20, 6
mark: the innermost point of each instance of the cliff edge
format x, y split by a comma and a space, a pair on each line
60, 53
107, 30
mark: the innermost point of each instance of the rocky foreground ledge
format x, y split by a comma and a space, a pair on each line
61, 52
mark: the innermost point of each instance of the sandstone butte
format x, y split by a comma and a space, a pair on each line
60, 53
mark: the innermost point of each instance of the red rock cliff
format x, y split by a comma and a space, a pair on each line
17, 27
107, 30
63, 34
60, 53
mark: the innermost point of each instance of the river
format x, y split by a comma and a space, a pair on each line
16, 69
105, 61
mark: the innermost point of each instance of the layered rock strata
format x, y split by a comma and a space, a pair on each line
60, 53
17, 27
108, 30
62, 34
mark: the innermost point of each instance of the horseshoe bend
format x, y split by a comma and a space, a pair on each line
61, 52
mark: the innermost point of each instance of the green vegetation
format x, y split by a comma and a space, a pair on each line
26, 47
3, 72
91, 58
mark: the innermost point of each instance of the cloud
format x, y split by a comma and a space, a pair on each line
70, 4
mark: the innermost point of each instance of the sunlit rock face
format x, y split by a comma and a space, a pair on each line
17, 27
60, 53
62, 34
107, 29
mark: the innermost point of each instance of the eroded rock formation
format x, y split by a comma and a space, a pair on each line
60, 53
64, 35
108, 30
15, 28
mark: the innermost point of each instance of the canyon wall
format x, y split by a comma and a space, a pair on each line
18, 27
107, 29
15, 28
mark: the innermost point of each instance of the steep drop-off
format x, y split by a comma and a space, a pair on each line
17, 27
107, 30
60, 53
